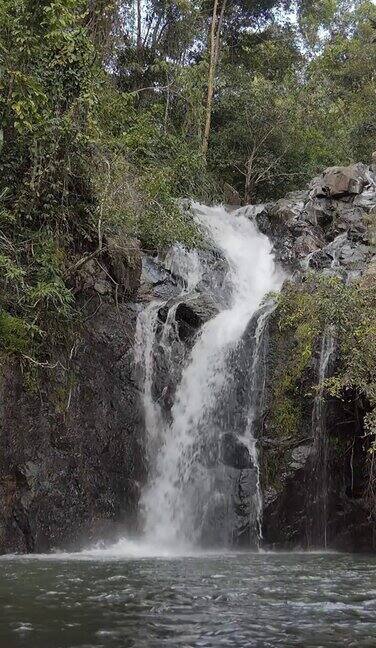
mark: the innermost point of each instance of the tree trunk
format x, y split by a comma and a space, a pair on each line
248, 183
139, 26
219, 28
212, 66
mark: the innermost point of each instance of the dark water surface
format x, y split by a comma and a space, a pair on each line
214, 600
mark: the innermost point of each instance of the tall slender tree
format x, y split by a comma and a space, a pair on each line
215, 40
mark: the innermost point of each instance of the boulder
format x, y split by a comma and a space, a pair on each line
340, 181
349, 219
156, 281
353, 257
299, 457
264, 220
306, 244
320, 260
319, 211
102, 287
367, 199
190, 315
254, 212
289, 208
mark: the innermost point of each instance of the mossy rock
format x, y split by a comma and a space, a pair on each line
14, 333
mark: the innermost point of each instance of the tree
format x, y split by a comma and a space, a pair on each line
49, 81
215, 37
251, 135
346, 69
231, 18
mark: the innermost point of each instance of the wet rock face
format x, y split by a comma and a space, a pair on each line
182, 313
290, 518
71, 457
328, 230
234, 453
221, 455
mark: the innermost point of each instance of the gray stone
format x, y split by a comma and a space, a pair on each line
319, 211
306, 244
299, 456
192, 314
153, 272
102, 287
367, 199
253, 212
234, 452
320, 260
353, 257
71, 463
288, 209
340, 181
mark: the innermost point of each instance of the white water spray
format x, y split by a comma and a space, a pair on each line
182, 490
258, 376
319, 433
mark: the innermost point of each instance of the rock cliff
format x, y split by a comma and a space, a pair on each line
328, 230
72, 458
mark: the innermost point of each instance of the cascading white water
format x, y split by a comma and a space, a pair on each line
182, 486
189, 267
326, 353
258, 375
319, 433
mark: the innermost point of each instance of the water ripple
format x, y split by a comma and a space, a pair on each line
210, 601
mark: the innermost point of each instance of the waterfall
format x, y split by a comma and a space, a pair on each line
257, 392
320, 437
189, 268
202, 451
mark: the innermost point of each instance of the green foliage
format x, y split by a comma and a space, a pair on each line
48, 90
14, 333
10, 271
100, 133
144, 171
283, 112
304, 312
344, 71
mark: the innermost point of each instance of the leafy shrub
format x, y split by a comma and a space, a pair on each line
305, 311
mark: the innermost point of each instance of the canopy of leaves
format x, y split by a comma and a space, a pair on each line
102, 109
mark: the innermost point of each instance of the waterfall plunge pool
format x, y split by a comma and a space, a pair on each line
115, 598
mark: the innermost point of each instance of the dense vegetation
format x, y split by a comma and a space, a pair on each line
112, 111
304, 312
